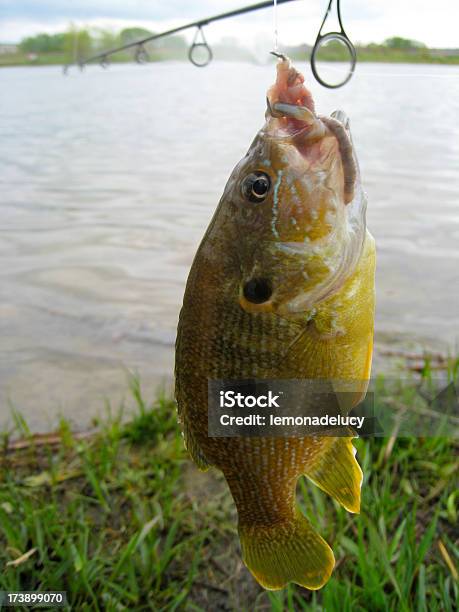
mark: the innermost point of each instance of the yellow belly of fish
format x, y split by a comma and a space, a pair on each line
218, 340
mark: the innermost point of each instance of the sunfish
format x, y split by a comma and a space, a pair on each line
281, 287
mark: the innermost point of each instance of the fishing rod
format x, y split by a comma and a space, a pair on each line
102, 57
200, 43
324, 39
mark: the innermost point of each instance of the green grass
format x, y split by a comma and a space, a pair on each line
122, 520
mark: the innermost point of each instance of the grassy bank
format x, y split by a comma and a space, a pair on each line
122, 520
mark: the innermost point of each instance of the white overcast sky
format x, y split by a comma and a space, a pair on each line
434, 22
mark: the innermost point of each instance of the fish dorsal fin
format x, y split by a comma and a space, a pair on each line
337, 473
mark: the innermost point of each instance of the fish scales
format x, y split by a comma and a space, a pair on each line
270, 299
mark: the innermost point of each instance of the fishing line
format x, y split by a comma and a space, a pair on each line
276, 37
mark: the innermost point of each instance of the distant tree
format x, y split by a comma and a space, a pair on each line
129, 35
105, 39
78, 42
397, 42
43, 43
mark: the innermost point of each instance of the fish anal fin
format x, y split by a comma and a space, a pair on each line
338, 473
287, 552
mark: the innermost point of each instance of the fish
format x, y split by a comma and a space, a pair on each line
281, 287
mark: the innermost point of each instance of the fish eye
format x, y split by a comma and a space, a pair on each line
255, 186
257, 290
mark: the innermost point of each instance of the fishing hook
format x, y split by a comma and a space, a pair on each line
279, 55
340, 36
202, 45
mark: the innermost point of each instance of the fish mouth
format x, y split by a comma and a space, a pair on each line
294, 111
290, 107
291, 115
304, 122
290, 100
302, 113
289, 87
291, 118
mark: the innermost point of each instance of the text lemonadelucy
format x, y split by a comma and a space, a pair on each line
291, 421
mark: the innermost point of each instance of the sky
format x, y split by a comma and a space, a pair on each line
433, 22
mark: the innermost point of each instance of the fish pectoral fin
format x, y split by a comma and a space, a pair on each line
337, 473
194, 449
286, 552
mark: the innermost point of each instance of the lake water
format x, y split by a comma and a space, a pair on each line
108, 181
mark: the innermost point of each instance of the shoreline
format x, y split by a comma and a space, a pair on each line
440, 61
400, 364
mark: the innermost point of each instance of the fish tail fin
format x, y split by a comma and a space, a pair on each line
287, 552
